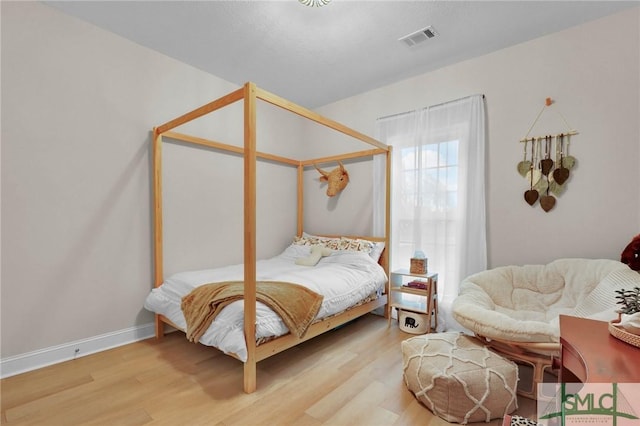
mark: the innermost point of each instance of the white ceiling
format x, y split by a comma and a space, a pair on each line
318, 55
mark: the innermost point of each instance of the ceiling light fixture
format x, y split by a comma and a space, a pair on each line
315, 3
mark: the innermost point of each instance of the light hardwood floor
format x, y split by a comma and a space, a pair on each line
349, 376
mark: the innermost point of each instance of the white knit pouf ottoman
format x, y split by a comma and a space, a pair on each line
458, 378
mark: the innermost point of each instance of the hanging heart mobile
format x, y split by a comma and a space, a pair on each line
544, 175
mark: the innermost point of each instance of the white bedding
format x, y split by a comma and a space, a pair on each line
344, 278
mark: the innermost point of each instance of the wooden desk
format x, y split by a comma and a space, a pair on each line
590, 354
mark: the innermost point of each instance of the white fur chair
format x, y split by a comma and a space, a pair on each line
516, 309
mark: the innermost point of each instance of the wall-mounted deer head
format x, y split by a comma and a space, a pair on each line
337, 179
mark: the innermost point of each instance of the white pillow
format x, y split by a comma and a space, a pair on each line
376, 251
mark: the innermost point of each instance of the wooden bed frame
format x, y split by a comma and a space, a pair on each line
249, 93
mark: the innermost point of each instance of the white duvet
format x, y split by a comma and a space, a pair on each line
344, 278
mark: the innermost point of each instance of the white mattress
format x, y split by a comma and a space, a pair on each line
344, 278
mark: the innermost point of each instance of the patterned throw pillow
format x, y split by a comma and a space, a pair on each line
355, 245
311, 240
342, 243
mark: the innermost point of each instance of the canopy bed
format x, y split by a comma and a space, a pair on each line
253, 277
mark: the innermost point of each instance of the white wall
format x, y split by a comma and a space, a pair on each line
593, 73
78, 105
203, 225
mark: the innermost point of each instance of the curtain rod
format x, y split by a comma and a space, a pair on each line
431, 106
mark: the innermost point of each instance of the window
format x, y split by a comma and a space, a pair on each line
427, 199
438, 191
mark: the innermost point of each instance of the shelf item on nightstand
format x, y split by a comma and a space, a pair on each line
416, 293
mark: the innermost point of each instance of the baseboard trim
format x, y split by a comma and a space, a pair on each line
29, 361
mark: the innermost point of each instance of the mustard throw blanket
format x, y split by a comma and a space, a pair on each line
296, 304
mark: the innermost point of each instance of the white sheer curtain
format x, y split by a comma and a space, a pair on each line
438, 194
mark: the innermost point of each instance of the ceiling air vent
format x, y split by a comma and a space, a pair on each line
419, 36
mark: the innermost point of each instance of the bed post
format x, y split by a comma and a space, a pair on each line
157, 220
250, 236
300, 199
387, 230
